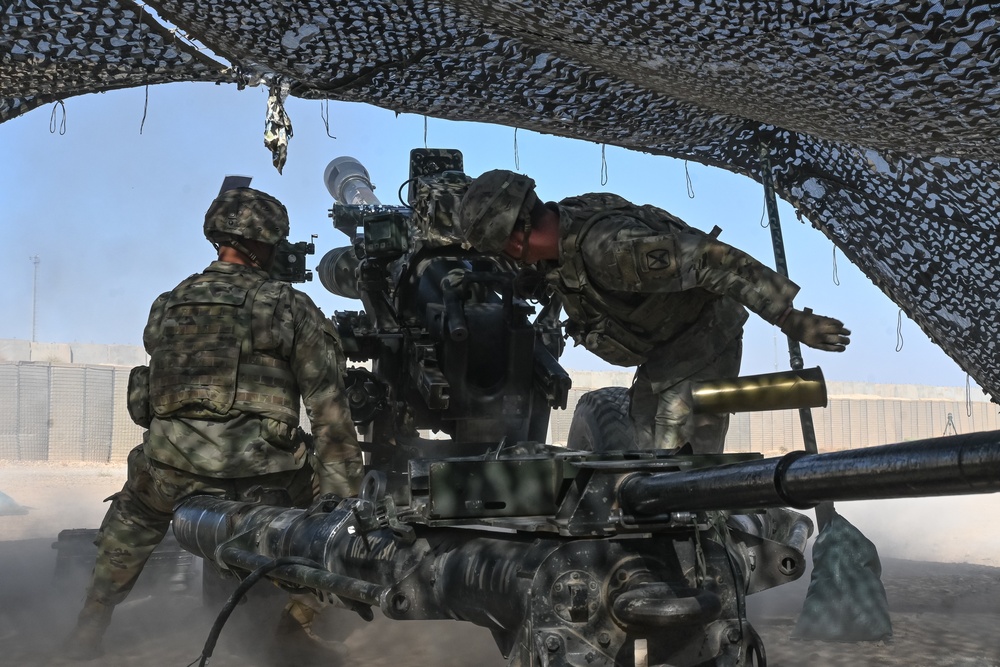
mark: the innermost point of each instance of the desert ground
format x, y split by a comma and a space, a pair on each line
941, 571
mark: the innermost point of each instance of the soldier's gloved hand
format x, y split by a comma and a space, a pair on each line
340, 477
816, 331
530, 283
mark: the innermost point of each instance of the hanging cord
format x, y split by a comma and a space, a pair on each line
687, 178
324, 113
145, 108
425, 131
836, 276
765, 222
899, 330
145, 42
517, 159
237, 595
54, 122
968, 396
604, 166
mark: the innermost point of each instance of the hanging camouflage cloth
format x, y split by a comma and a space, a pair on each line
846, 599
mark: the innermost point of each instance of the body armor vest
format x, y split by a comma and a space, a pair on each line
204, 364
624, 328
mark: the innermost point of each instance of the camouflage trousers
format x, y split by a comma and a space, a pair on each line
140, 516
660, 410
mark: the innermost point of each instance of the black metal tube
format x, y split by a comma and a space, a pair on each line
309, 577
778, 244
955, 465
663, 606
428, 578
458, 328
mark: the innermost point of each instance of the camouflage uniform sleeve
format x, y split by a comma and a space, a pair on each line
151, 334
623, 254
318, 365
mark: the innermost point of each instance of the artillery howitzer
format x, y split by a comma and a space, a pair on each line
451, 347
568, 557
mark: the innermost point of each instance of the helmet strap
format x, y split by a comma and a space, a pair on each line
239, 245
526, 236
235, 242
524, 217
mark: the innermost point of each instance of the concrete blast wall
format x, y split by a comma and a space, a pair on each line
66, 402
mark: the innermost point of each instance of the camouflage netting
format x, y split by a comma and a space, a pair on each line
57, 49
882, 118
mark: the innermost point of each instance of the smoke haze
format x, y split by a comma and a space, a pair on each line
944, 613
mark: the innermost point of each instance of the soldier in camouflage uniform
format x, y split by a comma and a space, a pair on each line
231, 353
642, 288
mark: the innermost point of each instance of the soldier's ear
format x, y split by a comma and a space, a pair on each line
514, 247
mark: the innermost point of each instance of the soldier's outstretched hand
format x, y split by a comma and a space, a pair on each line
816, 331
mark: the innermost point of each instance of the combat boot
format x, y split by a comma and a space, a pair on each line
296, 644
84, 643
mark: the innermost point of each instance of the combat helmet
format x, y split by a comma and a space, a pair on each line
492, 206
246, 213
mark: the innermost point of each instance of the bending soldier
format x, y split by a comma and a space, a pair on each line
642, 288
231, 353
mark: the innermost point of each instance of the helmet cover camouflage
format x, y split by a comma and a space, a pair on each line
492, 206
249, 214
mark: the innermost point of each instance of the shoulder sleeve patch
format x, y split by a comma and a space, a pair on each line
649, 264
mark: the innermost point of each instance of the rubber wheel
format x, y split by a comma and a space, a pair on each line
601, 422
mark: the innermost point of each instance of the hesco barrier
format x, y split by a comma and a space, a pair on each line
76, 412
73, 412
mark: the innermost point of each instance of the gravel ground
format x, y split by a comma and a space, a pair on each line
944, 613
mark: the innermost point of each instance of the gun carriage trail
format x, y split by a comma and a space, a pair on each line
943, 613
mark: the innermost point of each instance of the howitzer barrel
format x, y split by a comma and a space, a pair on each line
349, 183
547, 600
427, 578
954, 465
771, 391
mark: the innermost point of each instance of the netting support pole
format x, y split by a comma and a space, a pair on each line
824, 511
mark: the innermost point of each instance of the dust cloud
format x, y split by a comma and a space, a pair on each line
937, 554
165, 621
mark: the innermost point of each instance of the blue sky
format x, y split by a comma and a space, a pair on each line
115, 215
